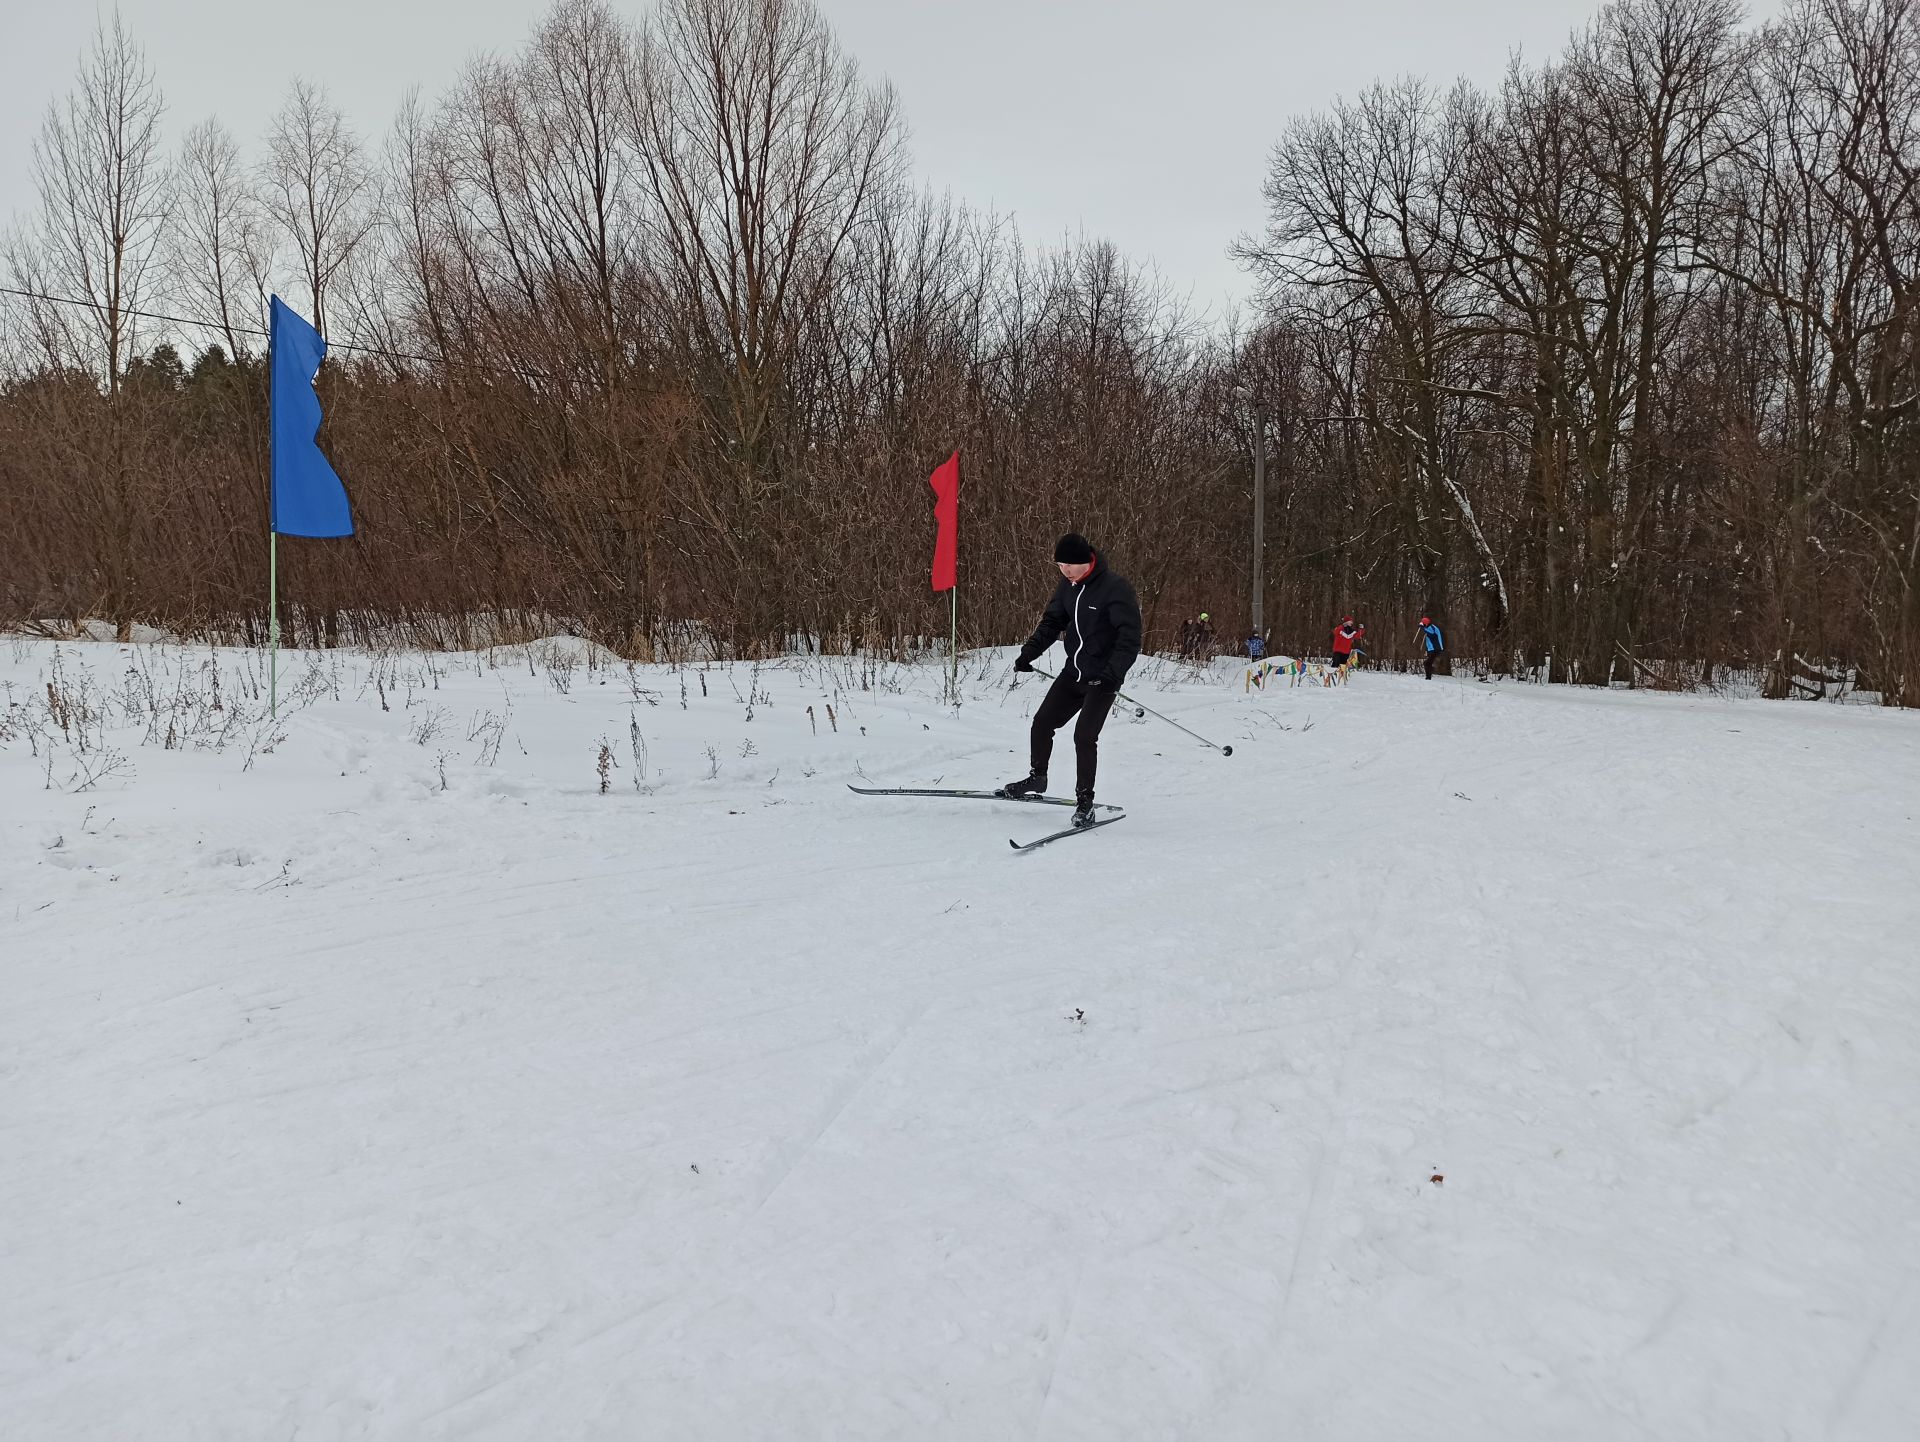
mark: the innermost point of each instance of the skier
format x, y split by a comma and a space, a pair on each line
1196, 638
1096, 616
1256, 646
1346, 639
1432, 643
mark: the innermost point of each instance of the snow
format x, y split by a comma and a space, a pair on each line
1459, 1061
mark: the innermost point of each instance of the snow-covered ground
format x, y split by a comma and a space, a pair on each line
1455, 1061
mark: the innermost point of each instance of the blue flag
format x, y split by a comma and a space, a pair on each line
308, 499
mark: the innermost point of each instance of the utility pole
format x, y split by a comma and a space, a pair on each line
1243, 394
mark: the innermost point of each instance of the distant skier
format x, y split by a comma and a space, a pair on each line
1096, 616
1432, 643
1189, 638
1347, 637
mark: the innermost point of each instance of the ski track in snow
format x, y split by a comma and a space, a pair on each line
339, 1103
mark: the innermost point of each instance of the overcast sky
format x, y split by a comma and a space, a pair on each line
1146, 122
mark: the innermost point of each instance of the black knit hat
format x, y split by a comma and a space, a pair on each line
1073, 549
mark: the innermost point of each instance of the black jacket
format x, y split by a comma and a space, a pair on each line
1097, 620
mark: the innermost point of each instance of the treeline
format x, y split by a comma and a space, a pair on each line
1613, 369
1620, 360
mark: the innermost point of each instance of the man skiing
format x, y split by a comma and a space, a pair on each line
1096, 616
1432, 643
1346, 639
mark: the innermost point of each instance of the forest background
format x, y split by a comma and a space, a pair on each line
648, 332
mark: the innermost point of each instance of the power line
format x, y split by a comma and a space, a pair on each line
141, 314
332, 345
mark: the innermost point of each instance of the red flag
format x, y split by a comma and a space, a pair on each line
946, 514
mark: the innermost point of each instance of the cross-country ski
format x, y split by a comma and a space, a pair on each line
971, 796
1063, 834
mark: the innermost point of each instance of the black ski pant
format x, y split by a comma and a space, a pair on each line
1431, 658
1064, 698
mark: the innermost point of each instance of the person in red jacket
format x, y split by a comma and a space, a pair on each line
1346, 639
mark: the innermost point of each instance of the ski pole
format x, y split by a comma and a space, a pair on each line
1149, 711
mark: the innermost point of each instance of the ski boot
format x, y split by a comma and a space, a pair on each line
1034, 785
1082, 809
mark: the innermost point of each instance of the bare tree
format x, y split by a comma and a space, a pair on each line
104, 200
766, 152
96, 240
1650, 80
1367, 208
220, 248
318, 188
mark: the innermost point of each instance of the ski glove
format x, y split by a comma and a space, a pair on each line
1021, 663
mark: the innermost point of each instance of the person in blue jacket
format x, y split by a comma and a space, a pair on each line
1432, 643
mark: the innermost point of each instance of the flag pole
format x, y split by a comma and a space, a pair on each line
273, 562
273, 624
953, 647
